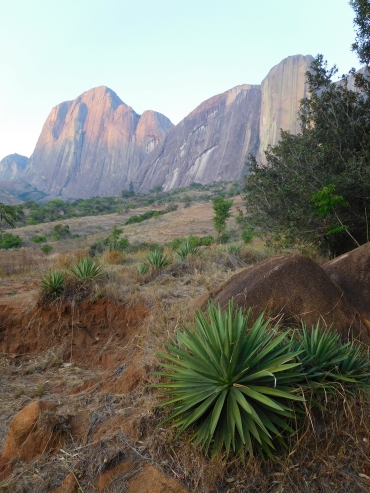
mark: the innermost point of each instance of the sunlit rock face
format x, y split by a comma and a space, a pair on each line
282, 89
210, 144
213, 142
12, 166
93, 145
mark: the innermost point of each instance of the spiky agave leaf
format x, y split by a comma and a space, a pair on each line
86, 270
227, 382
157, 259
330, 364
52, 283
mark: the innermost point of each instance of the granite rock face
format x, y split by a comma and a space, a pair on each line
213, 142
12, 166
210, 144
282, 89
93, 145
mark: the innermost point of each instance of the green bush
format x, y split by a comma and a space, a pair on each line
230, 384
86, 270
60, 231
234, 249
7, 241
52, 284
38, 239
224, 237
46, 249
248, 234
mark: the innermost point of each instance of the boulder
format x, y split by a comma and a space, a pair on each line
294, 288
32, 432
351, 272
153, 481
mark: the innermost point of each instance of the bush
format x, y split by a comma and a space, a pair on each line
60, 231
248, 234
7, 241
234, 249
224, 237
229, 383
38, 239
46, 249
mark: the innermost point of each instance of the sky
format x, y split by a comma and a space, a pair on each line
163, 55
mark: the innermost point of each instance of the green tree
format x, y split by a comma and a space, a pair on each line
315, 186
10, 214
221, 208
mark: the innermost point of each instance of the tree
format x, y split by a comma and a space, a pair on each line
315, 186
10, 214
221, 209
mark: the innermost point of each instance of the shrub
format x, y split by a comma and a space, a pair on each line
234, 249
224, 237
230, 384
38, 239
46, 249
157, 259
52, 284
86, 270
60, 231
248, 234
7, 241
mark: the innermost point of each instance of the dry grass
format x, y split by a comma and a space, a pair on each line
330, 455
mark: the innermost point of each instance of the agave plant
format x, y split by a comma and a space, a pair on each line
230, 384
52, 284
157, 259
330, 364
186, 248
142, 269
86, 269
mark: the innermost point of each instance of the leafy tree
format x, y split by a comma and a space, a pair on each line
10, 214
315, 186
221, 208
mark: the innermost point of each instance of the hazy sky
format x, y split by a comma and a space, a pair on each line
164, 55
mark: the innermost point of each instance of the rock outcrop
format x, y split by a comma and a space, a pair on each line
12, 166
93, 145
294, 288
282, 89
351, 272
210, 144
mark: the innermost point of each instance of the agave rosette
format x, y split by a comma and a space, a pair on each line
231, 384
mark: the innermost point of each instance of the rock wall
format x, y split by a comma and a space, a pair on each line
282, 89
93, 145
210, 144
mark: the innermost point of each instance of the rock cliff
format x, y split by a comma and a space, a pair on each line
93, 145
282, 89
12, 166
210, 144
213, 142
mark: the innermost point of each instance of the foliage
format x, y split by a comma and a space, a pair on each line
60, 231
112, 242
329, 364
234, 249
196, 241
7, 241
142, 269
221, 208
224, 237
86, 269
186, 248
230, 384
362, 22
10, 214
38, 239
248, 234
46, 249
52, 284
158, 259
331, 154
